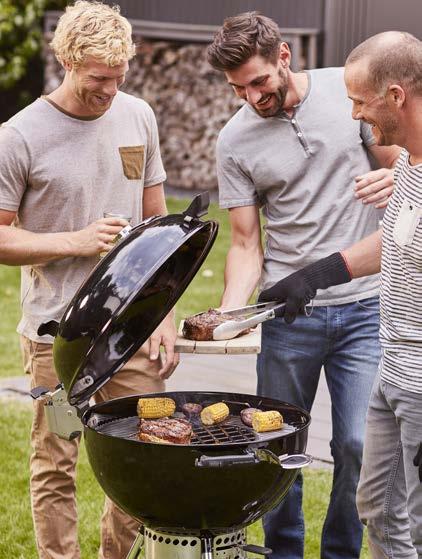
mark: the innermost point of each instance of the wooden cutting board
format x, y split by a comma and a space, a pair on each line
249, 343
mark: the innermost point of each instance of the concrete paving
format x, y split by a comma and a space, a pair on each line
221, 373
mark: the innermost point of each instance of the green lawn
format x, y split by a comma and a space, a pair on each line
16, 536
10, 363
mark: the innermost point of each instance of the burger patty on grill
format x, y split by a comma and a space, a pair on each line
167, 430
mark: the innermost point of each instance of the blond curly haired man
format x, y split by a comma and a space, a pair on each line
84, 149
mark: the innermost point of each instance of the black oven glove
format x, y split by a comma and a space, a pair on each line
301, 286
417, 461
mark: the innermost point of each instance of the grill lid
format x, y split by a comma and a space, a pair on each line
127, 295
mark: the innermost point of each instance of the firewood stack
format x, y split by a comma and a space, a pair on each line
191, 101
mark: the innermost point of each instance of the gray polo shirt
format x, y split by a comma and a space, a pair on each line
61, 173
301, 171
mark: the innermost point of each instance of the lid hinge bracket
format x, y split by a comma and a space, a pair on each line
63, 419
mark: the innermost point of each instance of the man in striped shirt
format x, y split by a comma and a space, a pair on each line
384, 80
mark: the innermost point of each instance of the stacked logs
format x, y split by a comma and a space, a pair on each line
191, 101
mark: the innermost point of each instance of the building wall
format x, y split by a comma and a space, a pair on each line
349, 22
342, 23
287, 13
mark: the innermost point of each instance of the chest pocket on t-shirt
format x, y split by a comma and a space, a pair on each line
133, 161
406, 223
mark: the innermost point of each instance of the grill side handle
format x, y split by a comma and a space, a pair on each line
225, 461
255, 456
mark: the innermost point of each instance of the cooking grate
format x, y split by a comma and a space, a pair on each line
232, 430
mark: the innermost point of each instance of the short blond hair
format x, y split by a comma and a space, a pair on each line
93, 29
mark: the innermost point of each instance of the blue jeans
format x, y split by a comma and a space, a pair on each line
389, 496
344, 340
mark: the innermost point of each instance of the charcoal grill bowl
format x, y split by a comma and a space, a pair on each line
160, 485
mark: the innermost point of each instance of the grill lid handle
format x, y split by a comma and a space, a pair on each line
199, 206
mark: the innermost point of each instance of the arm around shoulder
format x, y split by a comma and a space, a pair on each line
376, 187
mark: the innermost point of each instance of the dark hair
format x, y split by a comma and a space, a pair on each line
242, 37
392, 57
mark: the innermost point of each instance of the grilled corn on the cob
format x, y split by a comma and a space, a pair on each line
154, 408
267, 421
216, 413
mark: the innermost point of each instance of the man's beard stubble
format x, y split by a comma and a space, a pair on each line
280, 97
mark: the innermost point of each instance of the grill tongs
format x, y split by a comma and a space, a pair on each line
250, 316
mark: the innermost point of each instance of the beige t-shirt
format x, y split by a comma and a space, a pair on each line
61, 173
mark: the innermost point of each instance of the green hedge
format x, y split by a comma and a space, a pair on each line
21, 69
20, 38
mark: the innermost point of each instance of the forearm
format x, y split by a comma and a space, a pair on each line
241, 276
364, 257
154, 202
19, 247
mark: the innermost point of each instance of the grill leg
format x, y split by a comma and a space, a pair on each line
136, 549
206, 547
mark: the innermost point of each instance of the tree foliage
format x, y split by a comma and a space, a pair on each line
20, 37
20, 47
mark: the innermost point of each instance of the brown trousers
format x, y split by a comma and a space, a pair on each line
53, 462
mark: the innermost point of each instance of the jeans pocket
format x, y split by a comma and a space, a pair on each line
369, 304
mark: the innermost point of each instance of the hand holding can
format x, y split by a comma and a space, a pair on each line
123, 232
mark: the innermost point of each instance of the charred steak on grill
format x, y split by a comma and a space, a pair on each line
200, 327
165, 430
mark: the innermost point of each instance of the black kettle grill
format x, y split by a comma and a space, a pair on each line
194, 501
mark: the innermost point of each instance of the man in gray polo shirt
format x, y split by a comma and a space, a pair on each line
294, 150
